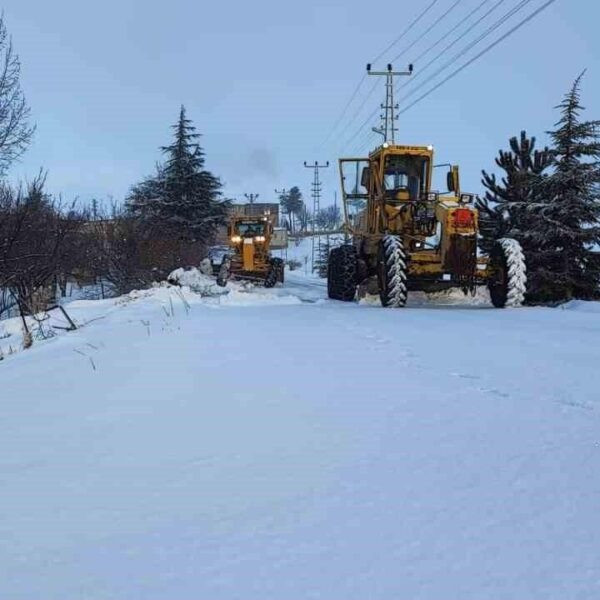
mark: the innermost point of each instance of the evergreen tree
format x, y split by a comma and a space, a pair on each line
567, 220
503, 212
182, 199
292, 204
295, 201
286, 215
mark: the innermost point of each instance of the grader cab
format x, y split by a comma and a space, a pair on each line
405, 236
249, 257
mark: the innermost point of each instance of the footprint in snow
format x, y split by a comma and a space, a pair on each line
494, 392
465, 376
575, 404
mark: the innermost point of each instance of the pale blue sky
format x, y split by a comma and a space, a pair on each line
264, 81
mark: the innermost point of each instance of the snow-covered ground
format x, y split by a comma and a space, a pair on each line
273, 444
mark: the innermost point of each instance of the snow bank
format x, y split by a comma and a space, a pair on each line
188, 288
582, 306
196, 281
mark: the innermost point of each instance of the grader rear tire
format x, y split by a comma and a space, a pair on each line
391, 272
508, 280
342, 270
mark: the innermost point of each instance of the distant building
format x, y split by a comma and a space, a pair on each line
279, 241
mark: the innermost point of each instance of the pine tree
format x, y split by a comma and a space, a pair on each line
287, 217
182, 199
567, 220
292, 204
503, 212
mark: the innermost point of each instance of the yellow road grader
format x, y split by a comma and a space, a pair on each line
402, 235
250, 257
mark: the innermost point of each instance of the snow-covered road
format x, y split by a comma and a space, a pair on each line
282, 446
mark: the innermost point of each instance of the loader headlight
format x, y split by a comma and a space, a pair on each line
259, 238
236, 239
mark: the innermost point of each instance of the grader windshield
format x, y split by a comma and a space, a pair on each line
405, 176
250, 228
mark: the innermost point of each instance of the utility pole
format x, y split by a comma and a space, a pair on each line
282, 193
251, 197
388, 117
316, 196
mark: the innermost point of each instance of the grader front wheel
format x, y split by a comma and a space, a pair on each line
391, 272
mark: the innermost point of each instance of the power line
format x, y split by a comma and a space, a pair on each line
345, 110
479, 55
405, 32
389, 47
513, 11
367, 142
430, 28
449, 63
374, 86
460, 37
482, 53
355, 116
445, 36
453, 43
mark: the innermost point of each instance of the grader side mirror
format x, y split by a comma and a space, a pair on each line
364, 178
450, 181
454, 180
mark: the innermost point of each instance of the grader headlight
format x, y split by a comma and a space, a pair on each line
259, 238
236, 239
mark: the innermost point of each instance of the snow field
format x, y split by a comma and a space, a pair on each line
273, 444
